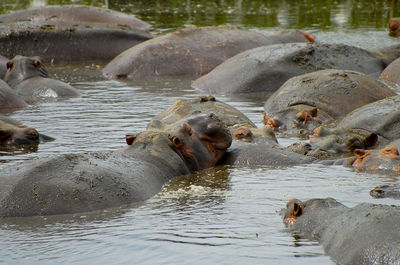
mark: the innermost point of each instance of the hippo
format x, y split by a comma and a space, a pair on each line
388, 53
392, 72
394, 27
241, 127
386, 159
367, 127
305, 102
82, 182
242, 153
386, 191
28, 77
14, 135
265, 69
9, 100
75, 14
365, 234
191, 51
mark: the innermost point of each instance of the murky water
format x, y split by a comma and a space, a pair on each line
221, 216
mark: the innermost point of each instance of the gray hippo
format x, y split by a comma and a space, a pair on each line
385, 159
388, 53
265, 69
73, 183
305, 102
28, 77
14, 135
394, 27
9, 100
372, 125
385, 191
75, 14
241, 127
63, 34
365, 234
191, 51
392, 72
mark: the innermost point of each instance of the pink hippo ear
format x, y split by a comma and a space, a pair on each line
187, 129
10, 65
294, 208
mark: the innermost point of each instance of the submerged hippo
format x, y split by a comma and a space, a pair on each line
372, 125
365, 234
241, 127
305, 102
84, 182
386, 191
191, 51
394, 27
392, 72
14, 135
9, 100
62, 34
28, 77
75, 14
266, 68
384, 159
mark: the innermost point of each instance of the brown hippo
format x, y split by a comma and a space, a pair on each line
305, 102
265, 69
75, 14
365, 234
191, 51
14, 135
385, 159
394, 27
241, 127
28, 77
392, 72
9, 100
386, 191
84, 182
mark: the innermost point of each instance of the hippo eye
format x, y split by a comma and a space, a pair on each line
36, 63
10, 65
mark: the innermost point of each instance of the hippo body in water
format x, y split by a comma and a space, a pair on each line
191, 51
265, 69
63, 34
28, 77
14, 135
9, 100
392, 72
305, 102
370, 126
84, 182
365, 234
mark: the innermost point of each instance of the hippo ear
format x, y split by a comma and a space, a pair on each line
37, 63
314, 112
176, 141
187, 129
130, 139
371, 140
359, 153
10, 65
297, 209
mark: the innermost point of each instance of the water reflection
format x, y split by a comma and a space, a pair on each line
301, 14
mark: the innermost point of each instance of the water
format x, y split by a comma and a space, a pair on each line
220, 216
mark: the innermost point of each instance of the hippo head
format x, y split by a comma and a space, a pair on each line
386, 158
21, 68
298, 120
342, 141
394, 27
15, 136
201, 141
